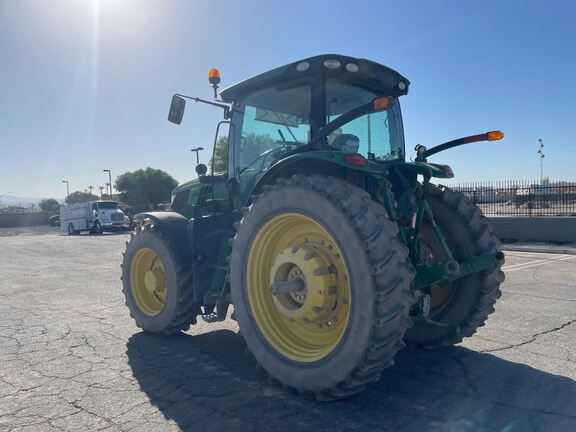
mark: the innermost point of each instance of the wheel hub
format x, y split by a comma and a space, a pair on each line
154, 280
315, 302
430, 253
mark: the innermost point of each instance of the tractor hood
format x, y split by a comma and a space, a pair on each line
361, 72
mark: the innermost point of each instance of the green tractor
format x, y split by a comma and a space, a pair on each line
334, 251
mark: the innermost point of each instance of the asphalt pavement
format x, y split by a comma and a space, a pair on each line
71, 358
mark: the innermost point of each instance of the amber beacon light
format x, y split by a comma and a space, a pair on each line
495, 135
214, 76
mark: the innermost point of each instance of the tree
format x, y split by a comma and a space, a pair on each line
220, 160
49, 205
145, 188
252, 146
79, 197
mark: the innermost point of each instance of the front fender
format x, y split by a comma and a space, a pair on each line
173, 226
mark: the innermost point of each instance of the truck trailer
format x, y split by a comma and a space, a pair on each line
94, 217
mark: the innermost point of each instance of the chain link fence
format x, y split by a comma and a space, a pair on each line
521, 198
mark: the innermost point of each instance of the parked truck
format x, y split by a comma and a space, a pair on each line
94, 217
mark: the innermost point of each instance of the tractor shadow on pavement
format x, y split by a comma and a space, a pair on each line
206, 382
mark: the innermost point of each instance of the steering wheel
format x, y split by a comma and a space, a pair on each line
272, 151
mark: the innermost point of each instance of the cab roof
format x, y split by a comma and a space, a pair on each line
368, 74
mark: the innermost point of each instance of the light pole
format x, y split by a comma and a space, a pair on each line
542, 155
4, 194
67, 188
110, 180
197, 150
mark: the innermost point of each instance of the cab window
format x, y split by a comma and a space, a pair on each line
373, 133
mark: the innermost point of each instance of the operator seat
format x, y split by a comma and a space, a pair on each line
347, 143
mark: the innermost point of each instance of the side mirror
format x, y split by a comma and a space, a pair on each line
201, 169
176, 109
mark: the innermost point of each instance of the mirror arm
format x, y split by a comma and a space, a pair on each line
451, 144
226, 108
375, 105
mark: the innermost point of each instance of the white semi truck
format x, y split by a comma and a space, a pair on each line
93, 216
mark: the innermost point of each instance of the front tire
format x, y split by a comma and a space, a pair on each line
466, 302
157, 285
345, 322
97, 229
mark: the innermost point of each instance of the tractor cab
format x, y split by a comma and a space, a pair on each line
330, 105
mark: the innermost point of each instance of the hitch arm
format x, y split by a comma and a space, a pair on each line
428, 275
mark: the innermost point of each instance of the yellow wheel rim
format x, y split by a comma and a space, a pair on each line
306, 320
148, 281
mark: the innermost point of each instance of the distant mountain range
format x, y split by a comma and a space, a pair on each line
11, 200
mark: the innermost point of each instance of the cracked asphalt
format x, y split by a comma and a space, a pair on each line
71, 358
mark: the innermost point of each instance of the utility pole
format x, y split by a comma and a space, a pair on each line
67, 188
197, 150
542, 155
110, 180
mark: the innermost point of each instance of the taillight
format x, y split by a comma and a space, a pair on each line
356, 160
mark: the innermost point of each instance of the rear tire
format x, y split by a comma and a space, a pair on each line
472, 299
369, 263
157, 285
71, 230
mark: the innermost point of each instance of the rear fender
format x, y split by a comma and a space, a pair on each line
209, 237
174, 227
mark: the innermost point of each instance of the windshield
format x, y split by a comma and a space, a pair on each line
108, 205
276, 121
377, 134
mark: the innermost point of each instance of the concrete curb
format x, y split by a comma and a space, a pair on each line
538, 230
540, 249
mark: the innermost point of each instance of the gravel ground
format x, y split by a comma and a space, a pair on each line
72, 359
26, 231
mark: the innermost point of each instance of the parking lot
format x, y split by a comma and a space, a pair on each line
72, 359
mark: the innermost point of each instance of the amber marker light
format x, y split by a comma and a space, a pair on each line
382, 103
495, 135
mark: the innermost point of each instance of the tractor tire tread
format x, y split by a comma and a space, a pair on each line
185, 313
489, 292
392, 276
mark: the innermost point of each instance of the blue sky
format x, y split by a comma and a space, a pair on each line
85, 84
